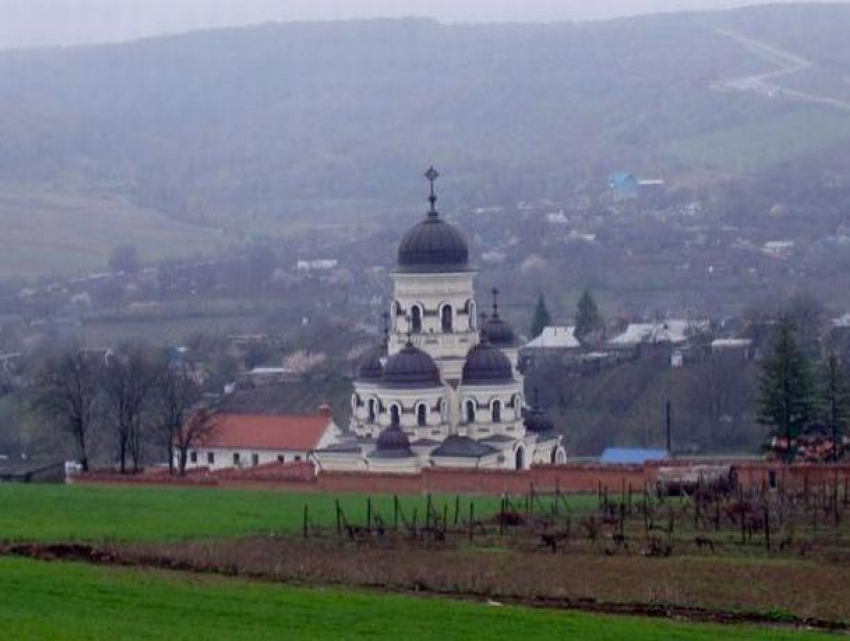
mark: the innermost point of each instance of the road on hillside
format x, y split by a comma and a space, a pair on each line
766, 83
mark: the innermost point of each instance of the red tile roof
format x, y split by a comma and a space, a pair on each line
268, 432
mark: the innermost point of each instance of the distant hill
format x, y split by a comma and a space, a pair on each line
336, 120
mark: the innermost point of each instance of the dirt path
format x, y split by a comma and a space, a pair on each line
766, 84
685, 590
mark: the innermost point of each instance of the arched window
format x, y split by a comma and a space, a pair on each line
421, 415
497, 411
520, 458
395, 416
416, 319
395, 314
471, 316
372, 410
446, 319
517, 406
470, 411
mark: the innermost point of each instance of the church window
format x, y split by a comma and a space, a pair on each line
416, 320
236, 459
470, 411
472, 317
520, 458
281, 458
497, 411
421, 415
372, 411
395, 416
447, 318
255, 459
193, 457
210, 458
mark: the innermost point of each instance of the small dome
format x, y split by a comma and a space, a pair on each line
536, 419
411, 367
499, 332
486, 364
372, 369
433, 245
392, 443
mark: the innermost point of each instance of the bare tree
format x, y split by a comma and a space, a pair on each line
128, 382
68, 395
178, 395
201, 423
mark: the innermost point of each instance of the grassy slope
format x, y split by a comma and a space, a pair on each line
69, 601
757, 145
61, 513
49, 233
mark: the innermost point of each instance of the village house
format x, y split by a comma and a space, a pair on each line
248, 440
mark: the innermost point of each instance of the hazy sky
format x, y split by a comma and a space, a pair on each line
59, 22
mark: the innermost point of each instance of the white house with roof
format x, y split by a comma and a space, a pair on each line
241, 440
555, 338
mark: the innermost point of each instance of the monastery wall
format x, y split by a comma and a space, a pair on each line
571, 477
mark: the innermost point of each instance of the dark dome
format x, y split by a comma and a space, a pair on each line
392, 443
433, 245
486, 363
411, 367
535, 418
371, 368
537, 421
499, 332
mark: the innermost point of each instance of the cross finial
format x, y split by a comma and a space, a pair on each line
496, 293
431, 175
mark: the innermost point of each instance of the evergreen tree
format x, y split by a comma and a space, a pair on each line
589, 323
786, 390
541, 318
834, 402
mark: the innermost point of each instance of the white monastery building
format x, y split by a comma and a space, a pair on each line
443, 389
249, 440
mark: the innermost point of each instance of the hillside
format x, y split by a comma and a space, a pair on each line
335, 120
48, 233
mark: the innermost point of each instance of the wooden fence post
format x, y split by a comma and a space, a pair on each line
338, 518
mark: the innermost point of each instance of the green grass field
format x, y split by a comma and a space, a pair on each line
47, 234
66, 601
88, 513
761, 144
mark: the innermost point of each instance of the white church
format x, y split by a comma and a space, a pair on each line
444, 389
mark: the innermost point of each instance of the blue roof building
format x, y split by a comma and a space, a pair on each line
632, 455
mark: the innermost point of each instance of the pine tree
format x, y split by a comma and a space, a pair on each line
589, 323
834, 402
541, 318
786, 390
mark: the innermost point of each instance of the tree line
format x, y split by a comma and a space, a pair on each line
802, 395
139, 401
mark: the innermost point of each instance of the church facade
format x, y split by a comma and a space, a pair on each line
444, 388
